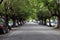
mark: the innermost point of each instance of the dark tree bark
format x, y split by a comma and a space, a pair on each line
14, 22
45, 21
49, 22
58, 26
7, 21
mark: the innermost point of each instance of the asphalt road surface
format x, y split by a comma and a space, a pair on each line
32, 31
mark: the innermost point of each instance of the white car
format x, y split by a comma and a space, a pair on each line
52, 23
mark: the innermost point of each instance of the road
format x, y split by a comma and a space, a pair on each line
32, 31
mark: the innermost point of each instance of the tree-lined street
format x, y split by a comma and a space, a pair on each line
32, 32
29, 19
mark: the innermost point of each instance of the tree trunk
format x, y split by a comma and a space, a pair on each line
58, 26
14, 24
7, 21
49, 22
44, 21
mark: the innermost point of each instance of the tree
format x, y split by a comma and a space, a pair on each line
1, 1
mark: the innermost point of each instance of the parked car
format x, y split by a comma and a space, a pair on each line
3, 29
10, 24
52, 23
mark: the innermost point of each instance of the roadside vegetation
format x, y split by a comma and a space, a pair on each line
16, 12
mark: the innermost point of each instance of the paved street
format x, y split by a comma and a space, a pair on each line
32, 31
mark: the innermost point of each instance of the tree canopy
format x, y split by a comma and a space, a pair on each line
23, 9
